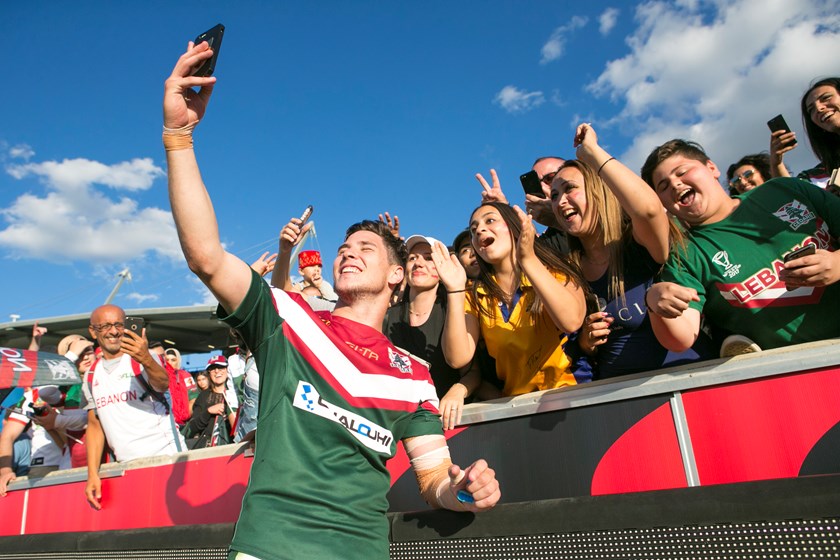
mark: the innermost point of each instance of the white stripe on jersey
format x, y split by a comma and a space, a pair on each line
354, 381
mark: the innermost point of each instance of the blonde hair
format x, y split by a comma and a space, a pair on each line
606, 212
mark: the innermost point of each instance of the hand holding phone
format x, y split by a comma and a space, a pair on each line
214, 40
531, 184
135, 325
805, 250
778, 123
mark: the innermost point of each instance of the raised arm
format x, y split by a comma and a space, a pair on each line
564, 303
650, 222
460, 329
138, 348
290, 235
227, 276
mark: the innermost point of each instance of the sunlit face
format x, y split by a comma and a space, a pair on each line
218, 376
746, 178
421, 271
202, 380
362, 267
568, 201
823, 107
104, 329
311, 274
546, 170
491, 237
466, 255
689, 189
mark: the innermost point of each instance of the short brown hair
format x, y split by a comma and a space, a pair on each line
394, 245
675, 147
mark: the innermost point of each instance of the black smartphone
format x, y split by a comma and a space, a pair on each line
214, 39
805, 250
531, 184
306, 214
135, 325
779, 123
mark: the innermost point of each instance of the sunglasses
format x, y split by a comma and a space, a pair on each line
742, 177
549, 177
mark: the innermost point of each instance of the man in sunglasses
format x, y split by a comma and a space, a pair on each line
122, 392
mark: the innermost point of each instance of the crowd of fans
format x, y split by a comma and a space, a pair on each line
634, 272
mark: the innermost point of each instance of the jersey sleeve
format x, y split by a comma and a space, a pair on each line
423, 423
256, 318
684, 271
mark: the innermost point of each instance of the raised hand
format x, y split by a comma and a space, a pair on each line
491, 193
586, 141
392, 223
449, 268
292, 233
183, 106
264, 264
781, 142
525, 243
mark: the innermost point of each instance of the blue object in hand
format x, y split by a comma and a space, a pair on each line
465, 497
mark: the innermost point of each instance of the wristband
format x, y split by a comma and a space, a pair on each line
178, 138
70, 355
456, 291
603, 164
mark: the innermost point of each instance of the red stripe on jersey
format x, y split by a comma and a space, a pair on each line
358, 402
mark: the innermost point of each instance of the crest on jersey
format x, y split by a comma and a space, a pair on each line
399, 361
795, 213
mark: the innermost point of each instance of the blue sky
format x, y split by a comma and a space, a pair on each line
356, 108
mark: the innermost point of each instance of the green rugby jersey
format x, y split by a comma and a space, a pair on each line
734, 265
335, 398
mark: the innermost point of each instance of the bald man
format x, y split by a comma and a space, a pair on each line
123, 394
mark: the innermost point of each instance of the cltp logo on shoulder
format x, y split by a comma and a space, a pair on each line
794, 213
721, 259
403, 363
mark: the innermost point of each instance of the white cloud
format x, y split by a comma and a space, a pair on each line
716, 72
553, 48
134, 175
607, 20
139, 298
515, 100
74, 221
21, 151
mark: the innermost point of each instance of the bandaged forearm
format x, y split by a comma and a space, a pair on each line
430, 460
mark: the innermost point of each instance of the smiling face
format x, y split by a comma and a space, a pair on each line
746, 178
568, 201
491, 237
218, 376
823, 107
421, 271
103, 329
362, 267
689, 190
